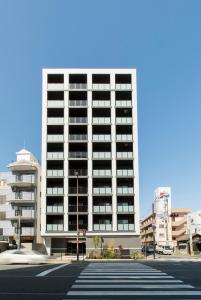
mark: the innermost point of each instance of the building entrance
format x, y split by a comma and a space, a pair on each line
72, 246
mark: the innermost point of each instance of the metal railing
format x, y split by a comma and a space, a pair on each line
125, 172
101, 103
55, 173
101, 137
55, 138
78, 137
123, 120
125, 227
79, 86
102, 172
102, 227
124, 137
81, 190
100, 120
77, 102
102, 208
55, 120
77, 154
55, 103
55, 191
55, 86
55, 227
14, 179
81, 208
81, 172
125, 155
125, 208
55, 208
78, 120
102, 155
123, 103
55, 155
124, 190
102, 190
101, 86
123, 86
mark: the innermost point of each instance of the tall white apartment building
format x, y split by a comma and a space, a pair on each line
89, 126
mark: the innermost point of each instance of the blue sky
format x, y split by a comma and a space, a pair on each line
162, 39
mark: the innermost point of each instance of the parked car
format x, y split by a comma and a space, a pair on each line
22, 257
166, 250
149, 249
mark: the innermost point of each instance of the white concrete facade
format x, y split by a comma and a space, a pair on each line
90, 126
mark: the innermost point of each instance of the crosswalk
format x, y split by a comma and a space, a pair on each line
110, 280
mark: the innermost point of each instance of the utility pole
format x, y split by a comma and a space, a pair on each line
190, 235
77, 240
154, 231
167, 221
18, 213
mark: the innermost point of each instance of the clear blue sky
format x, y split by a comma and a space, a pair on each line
162, 39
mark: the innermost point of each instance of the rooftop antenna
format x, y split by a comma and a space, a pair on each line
24, 144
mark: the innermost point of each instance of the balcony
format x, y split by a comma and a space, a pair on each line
125, 227
102, 155
124, 190
25, 214
81, 208
101, 86
77, 86
78, 120
78, 103
124, 173
55, 209
101, 121
102, 190
101, 137
21, 180
55, 104
102, 208
77, 137
9, 231
123, 103
55, 173
123, 120
54, 191
125, 155
55, 138
27, 231
81, 172
176, 233
55, 121
123, 86
125, 208
81, 190
55, 227
102, 227
101, 103
77, 155
124, 137
21, 197
55, 86
102, 173
55, 155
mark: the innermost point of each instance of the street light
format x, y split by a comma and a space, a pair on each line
77, 248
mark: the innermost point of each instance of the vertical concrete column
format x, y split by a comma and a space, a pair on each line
47, 241
66, 146
90, 186
113, 139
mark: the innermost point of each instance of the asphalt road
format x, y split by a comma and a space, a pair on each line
133, 280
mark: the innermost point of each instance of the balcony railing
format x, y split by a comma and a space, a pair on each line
55, 191
78, 137
78, 103
101, 137
102, 208
102, 227
81, 190
55, 138
101, 120
102, 172
101, 86
55, 86
102, 190
21, 179
55, 227
123, 120
25, 196
77, 86
124, 137
55, 155
125, 208
27, 231
125, 172
123, 86
9, 231
55, 208
55, 173
124, 190
101, 155
101, 103
123, 103
81, 172
125, 227
81, 208
53, 121
77, 154
25, 213
55, 103
78, 120
125, 155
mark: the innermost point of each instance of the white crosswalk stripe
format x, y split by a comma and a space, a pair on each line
110, 280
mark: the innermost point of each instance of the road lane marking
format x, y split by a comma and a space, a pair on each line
44, 273
134, 293
126, 276
121, 273
128, 280
132, 286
